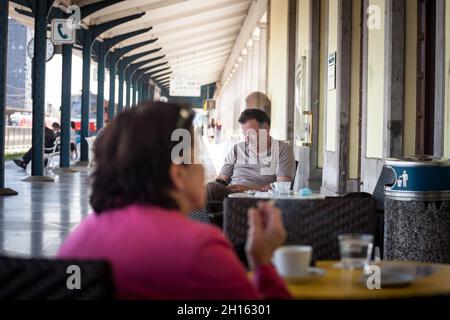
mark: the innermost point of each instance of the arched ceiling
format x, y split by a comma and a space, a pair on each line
196, 36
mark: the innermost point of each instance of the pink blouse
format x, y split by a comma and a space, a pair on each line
159, 254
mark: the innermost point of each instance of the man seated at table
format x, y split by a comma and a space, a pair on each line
255, 163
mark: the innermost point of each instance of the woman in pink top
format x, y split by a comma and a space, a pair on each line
141, 194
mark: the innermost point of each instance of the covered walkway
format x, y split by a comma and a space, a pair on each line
35, 222
356, 92
140, 43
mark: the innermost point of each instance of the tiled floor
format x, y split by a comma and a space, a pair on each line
35, 222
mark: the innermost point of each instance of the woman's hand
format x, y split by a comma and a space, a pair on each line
266, 233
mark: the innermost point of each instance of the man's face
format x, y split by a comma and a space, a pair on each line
253, 132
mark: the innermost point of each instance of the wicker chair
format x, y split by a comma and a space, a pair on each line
41, 279
310, 222
207, 217
201, 216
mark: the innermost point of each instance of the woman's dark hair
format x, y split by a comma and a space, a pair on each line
254, 114
133, 157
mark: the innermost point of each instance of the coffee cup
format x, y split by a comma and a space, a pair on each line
292, 261
281, 187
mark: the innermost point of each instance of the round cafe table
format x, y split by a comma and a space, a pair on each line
340, 284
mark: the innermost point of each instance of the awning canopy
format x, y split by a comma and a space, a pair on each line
196, 36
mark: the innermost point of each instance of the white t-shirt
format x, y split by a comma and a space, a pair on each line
246, 168
73, 136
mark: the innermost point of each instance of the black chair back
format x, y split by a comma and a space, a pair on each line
387, 177
309, 222
206, 217
43, 279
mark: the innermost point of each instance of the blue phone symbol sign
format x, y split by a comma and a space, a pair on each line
60, 29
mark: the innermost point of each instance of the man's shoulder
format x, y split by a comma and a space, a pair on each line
282, 145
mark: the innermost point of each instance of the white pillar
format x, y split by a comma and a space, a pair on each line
249, 67
262, 84
244, 82
255, 63
237, 100
241, 77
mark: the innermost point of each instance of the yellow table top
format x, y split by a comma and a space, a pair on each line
339, 284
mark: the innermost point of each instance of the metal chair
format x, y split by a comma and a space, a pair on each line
50, 153
42, 279
207, 217
90, 141
295, 175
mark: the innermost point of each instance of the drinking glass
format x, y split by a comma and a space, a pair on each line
355, 250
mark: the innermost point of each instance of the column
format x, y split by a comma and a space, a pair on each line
101, 85
65, 105
112, 89
85, 95
263, 45
3, 74
38, 87
255, 63
249, 67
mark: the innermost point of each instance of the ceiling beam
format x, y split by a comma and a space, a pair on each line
191, 62
199, 38
217, 62
208, 9
218, 49
116, 13
227, 18
200, 47
179, 40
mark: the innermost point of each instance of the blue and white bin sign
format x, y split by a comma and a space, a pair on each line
419, 178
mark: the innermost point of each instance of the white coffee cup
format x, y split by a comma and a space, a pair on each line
281, 187
292, 260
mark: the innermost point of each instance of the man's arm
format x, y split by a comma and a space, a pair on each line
227, 170
284, 179
286, 164
226, 179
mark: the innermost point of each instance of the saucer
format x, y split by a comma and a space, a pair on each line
312, 274
393, 279
339, 265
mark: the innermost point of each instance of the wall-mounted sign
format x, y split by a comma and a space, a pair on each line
185, 86
63, 31
210, 104
332, 71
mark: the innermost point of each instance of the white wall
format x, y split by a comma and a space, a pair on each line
278, 62
375, 88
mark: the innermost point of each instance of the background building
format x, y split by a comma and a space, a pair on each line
19, 67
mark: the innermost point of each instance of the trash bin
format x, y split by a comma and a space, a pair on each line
417, 210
